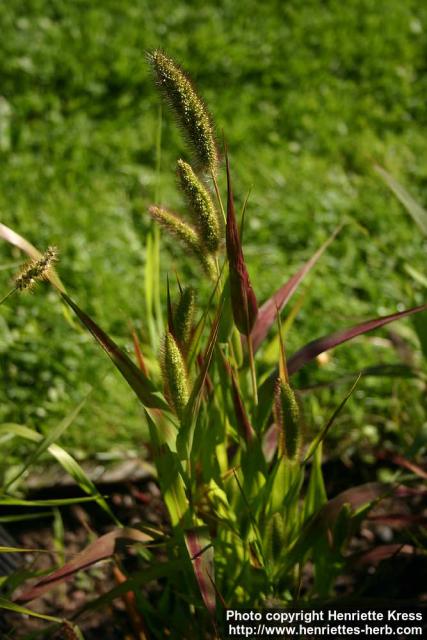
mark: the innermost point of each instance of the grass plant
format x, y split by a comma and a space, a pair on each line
248, 513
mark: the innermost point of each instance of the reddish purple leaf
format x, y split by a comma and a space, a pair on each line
325, 519
269, 442
398, 519
101, 549
316, 347
201, 554
383, 552
243, 299
137, 380
267, 313
246, 430
399, 460
138, 352
355, 497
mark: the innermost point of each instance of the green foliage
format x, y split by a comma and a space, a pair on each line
312, 94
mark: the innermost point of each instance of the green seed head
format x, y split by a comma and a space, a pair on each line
186, 234
174, 374
288, 420
183, 317
36, 270
203, 212
188, 107
275, 535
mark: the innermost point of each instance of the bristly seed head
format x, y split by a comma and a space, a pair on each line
189, 109
36, 270
183, 318
174, 374
288, 420
202, 210
186, 234
275, 535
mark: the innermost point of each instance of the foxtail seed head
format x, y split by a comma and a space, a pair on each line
203, 212
288, 420
275, 535
183, 317
36, 270
186, 234
189, 109
174, 374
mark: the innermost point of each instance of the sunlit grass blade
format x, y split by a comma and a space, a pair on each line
415, 274
68, 463
139, 383
16, 608
323, 433
416, 211
24, 517
268, 311
316, 492
57, 502
186, 432
21, 550
100, 549
45, 443
169, 473
316, 347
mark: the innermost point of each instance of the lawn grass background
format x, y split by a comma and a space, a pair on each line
309, 96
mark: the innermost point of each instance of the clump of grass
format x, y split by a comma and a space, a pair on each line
244, 522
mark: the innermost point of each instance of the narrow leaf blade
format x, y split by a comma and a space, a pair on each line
417, 213
316, 347
100, 549
268, 312
139, 383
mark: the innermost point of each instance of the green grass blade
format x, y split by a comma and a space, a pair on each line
68, 463
45, 443
416, 211
322, 435
16, 608
59, 502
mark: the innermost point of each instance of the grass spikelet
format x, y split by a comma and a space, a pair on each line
36, 270
275, 535
288, 420
202, 209
174, 374
186, 234
183, 317
189, 109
